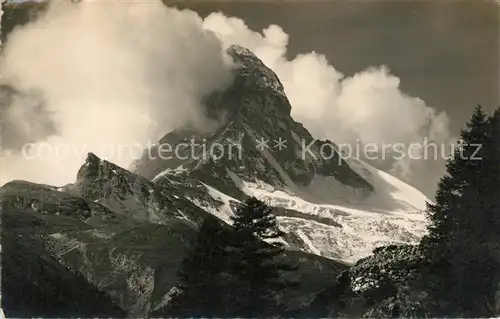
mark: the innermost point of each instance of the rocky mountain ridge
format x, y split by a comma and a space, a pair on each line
130, 252
330, 190
125, 232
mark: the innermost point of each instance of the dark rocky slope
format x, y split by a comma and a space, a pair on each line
34, 284
406, 282
119, 233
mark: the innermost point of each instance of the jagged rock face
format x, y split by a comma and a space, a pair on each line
303, 172
404, 281
388, 284
255, 107
115, 228
253, 78
44, 199
132, 259
119, 190
123, 234
126, 233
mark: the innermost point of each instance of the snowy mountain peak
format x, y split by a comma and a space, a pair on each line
253, 81
328, 204
256, 72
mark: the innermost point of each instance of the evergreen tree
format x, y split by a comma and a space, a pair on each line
447, 221
477, 206
491, 181
201, 290
257, 267
464, 217
256, 218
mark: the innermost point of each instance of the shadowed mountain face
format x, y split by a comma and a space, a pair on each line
445, 53
118, 234
254, 107
244, 157
125, 233
110, 244
34, 284
113, 227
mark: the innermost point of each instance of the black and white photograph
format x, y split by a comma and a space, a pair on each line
250, 159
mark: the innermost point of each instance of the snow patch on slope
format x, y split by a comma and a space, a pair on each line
386, 184
390, 196
394, 214
169, 171
218, 204
309, 244
225, 211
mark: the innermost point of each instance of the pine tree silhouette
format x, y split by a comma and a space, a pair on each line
201, 289
257, 268
256, 218
447, 221
491, 182
464, 218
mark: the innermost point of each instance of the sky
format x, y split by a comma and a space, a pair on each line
446, 53
383, 71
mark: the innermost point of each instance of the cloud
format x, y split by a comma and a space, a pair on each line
123, 73
367, 108
111, 75
25, 118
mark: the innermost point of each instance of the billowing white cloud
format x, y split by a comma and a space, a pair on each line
114, 76
367, 108
124, 73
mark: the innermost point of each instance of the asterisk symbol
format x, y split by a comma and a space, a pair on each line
280, 144
262, 144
